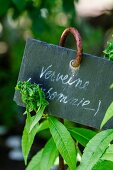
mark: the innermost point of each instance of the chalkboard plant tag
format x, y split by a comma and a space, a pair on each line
77, 90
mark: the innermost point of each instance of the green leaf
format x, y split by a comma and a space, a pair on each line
37, 117
103, 165
82, 135
108, 115
49, 155
108, 155
63, 141
108, 52
35, 162
44, 125
32, 96
95, 149
28, 138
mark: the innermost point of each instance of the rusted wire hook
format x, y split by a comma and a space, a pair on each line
76, 62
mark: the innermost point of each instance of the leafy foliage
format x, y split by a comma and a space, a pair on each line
63, 141
98, 151
32, 96
95, 149
103, 165
49, 155
108, 115
28, 137
44, 125
45, 158
108, 155
35, 162
82, 135
108, 52
34, 99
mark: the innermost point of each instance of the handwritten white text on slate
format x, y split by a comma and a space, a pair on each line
52, 94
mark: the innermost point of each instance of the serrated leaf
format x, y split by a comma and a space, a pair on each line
37, 117
95, 149
63, 141
108, 155
49, 155
108, 115
82, 135
103, 165
28, 138
35, 162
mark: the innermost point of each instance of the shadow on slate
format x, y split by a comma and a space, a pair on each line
81, 95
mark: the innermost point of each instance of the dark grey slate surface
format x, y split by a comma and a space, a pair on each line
81, 95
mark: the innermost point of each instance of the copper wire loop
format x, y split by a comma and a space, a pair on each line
76, 62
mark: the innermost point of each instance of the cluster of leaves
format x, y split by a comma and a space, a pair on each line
108, 52
32, 96
64, 140
34, 99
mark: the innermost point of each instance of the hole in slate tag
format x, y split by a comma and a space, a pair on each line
72, 67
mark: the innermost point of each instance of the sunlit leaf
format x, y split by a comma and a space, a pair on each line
82, 135
35, 162
108, 155
63, 141
28, 138
44, 125
103, 165
37, 117
108, 115
49, 155
95, 149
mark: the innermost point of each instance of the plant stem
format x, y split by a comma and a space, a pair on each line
61, 163
61, 160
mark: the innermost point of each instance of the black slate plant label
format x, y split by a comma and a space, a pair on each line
82, 95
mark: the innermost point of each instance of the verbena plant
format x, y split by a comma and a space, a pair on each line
98, 152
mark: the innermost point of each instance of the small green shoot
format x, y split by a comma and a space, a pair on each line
108, 52
34, 99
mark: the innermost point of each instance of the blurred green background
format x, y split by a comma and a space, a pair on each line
44, 20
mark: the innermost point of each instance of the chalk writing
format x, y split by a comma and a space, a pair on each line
54, 95
64, 79
81, 95
51, 94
